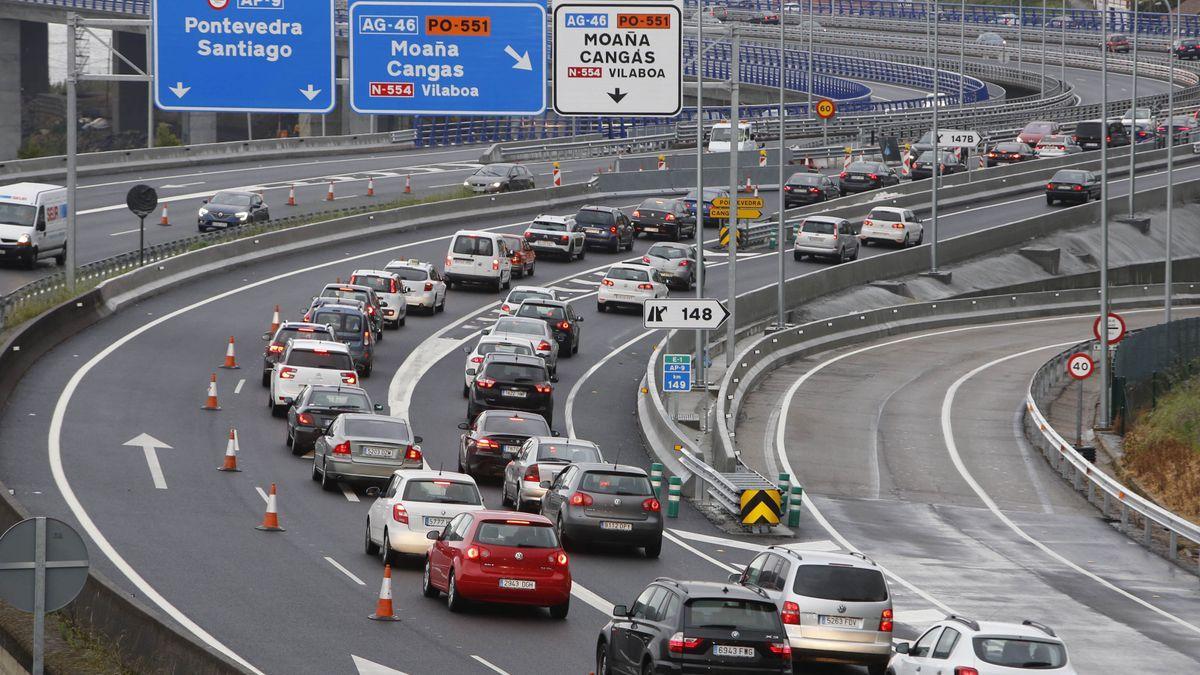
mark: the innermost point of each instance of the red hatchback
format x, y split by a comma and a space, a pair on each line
521, 255
499, 556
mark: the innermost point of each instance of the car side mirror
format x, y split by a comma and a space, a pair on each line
620, 611
735, 577
579, 319
417, 440
464, 426
544, 484
205, 201
266, 336
554, 378
466, 350
378, 407
901, 647
433, 535
553, 433
373, 491
486, 331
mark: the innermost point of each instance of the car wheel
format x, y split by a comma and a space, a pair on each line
266, 379
1049, 200
601, 308
61, 258
466, 391
427, 587
454, 601
369, 547
653, 550
529, 273
582, 251
602, 667
905, 243
366, 372
402, 320
504, 500
385, 550
616, 246
1086, 197
562, 535
560, 611
920, 237
648, 666
326, 484
508, 282
472, 413
840, 257
797, 256
876, 669
315, 476
855, 256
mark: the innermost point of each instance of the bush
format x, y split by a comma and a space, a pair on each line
1162, 451
164, 137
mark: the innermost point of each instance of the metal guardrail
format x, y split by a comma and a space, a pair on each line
1103, 491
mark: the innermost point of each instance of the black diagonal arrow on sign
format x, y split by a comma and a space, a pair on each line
761, 506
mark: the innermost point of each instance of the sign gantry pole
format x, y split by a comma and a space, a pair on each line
701, 336
735, 138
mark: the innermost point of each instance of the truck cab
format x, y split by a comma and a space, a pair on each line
721, 137
33, 223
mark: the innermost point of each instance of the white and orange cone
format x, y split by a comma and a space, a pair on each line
557, 176
292, 195
408, 184
329, 195
370, 187
211, 402
662, 162
762, 158
165, 219
231, 453
230, 359
270, 521
847, 162
275, 321
383, 607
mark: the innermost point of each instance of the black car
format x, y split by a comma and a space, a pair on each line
1089, 134
604, 504
563, 321
764, 18
1009, 153
1187, 48
809, 188
500, 178
1072, 185
695, 627
663, 218
924, 165
508, 381
365, 295
1181, 128
230, 208
495, 437
605, 226
288, 330
863, 176
316, 407
351, 327
689, 202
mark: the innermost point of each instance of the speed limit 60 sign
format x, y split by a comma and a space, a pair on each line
825, 108
1080, 366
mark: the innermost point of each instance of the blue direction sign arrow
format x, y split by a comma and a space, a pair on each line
445, 58
244, 55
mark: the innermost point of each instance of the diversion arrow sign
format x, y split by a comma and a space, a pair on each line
150, 446
684, 313
761, 506
616, 95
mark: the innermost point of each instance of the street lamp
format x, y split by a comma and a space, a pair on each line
1105, 390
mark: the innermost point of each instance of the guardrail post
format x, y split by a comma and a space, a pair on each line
1174, 544
656, 473
795, 506
1146, 532
674, 488
785, 482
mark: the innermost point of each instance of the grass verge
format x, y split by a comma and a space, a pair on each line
1162, 451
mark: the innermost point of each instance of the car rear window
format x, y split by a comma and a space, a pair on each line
520, 327
1009, 147
517, 297
361, 296
615, 483
1088, 129
378, 428
626, 274
305, 358
513, 372
817, 227
804, 179
503, 348
410, 273
438, 491
1013, 652
519, 426
655, 205
472, 245
568, 453
668, 252
548, 227
1039, 127
837, 582
286, 334
709, 195
516, 533
342, 323
731, 614
863, 167
595, 218
378, 284
1069, 177
340, 399
544, 312
885, 214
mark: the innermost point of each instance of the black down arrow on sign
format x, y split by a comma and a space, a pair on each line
616, 95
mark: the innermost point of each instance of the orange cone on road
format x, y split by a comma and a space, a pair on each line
230, 359
165, 220
408, 184
275, 321
291, 195
329, 195
370, 187
270, 521
211, 403
383, 607
231, 453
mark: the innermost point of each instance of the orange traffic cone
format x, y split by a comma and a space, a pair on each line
211, 403
370, 187
292, 195
408, 184
270, 521
165, 220
329, 195
230, 359
747, 183
231, 453
383, 607
275, 321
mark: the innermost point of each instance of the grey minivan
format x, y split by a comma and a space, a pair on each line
826, 237
352, 327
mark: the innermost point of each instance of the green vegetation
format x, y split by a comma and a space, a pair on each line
1162, 451
164, 137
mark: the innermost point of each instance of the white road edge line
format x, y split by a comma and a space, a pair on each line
238, 389
700, 554
345, 571
489, 664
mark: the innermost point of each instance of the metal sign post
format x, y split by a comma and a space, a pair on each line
735, 137
141, 200
1080, 366
701, 336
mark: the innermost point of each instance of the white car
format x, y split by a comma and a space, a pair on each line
387, 286
960, 645
557, 235
478, 258
893, 225
534, 331
1008, 19
308, 362
487, 345
423, 284
520, 294
415, 503
1139, 116
626, 284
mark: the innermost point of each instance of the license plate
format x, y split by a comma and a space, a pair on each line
378, 452
515, 393
730, 650
620, 527
512, 449
649, 229
841, 621
592, 230
431, 521
521, 584
622, 296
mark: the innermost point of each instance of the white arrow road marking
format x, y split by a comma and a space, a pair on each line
149, 444
238, 389
348, 492
489, 664
522, 60
698, 553
179, 90
310, 93
366, 667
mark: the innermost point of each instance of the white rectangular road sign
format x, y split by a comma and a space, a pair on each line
949, 138
684, 313
618, 58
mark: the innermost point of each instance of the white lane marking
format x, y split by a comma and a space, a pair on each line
261, 493
698, 553
918, 617
956, 458
489, 664
569, 409
720, 541
117, 234
345, 571
605, 607
149, 446
238, 389
348, 493
180, 186
369, 667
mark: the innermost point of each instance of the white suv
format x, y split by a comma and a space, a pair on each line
893, 225
387, 286
964, 646
557, 235
308, 362
422, 283
478, 258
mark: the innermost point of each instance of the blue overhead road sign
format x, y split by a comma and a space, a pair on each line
244, 55
443, 58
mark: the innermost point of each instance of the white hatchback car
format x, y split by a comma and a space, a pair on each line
627, 284
423, 284
308, 362
388, 287
964, 646
414, 503
557, 235
478, 258
893, 225
520, 294
487, 345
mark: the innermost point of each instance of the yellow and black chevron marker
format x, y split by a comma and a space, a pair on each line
724, 236
761, 506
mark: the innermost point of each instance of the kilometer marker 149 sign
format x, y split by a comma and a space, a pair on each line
618, 58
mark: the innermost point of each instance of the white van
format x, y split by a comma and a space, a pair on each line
478, 258
33, 223
747, 137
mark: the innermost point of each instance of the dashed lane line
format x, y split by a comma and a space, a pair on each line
348, 492
489, 665
345, 571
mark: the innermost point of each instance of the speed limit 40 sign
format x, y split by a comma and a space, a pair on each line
1080, 366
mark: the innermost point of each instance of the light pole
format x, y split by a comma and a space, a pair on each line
735, 48
1043, 18
1062, 49
962, 51
1105, 391
1172, 28
809, 61
779, 236
1020, 34
700, 335
937, 159
1133, 105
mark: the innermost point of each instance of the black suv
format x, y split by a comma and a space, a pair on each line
512, 382
695, 627
315, 409
605, 226
561, 319
1089, 134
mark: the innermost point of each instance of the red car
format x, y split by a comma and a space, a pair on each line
522, 255
499, 556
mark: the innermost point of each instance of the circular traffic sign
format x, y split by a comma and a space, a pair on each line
218, 4
1080, 366
826, 108
142, 200
1116, 328
47, 544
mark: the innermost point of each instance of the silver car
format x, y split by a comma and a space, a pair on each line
422, 284
535, 331
836, 607
826, 237
368, 448
675, 262
606, 504
390, 289
542, 458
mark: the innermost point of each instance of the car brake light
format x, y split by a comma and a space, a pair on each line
680, 644
473, 552
505, 307
564, 325
367, 337
486, 443
306, 330
781, 649
287, 374
305, 419
349, 378
392, 287
342, 448
646, 259
670, 217
787, 188
965, 670
1078, 188
413, 453
842, 174
991, 154
1108, 139
1049, 186
613, 229
275, 348
645, 287
637, 214
873, 176
815, 191
543, 388
476, 359
370, 309
885, 621
428, 286
652, 505
543, 346
448, 261
897, 226
684, 263
485, 383
790, 614
564, 239
400, 514
607, 282
495, 263
320, 351
532, 475
581, 499
868, 222
559, 558
529, 235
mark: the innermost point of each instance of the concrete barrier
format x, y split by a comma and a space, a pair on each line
682, 180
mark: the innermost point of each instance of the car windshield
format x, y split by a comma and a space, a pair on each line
410, 273
469, 244
305, 358
1039, 127
615, 483
547, 226
341, 322
517, 297
1067, 176
732, 615
515, 425
515, 372
231, 199
549, 452
517, 534
668, 252
349, 400
844, 584
817, 226
520, 327
588, 217
18, 214
543, 312
439, 491
378, 428
378, 284
495, 170
1011, 652
503, 348
627, 274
